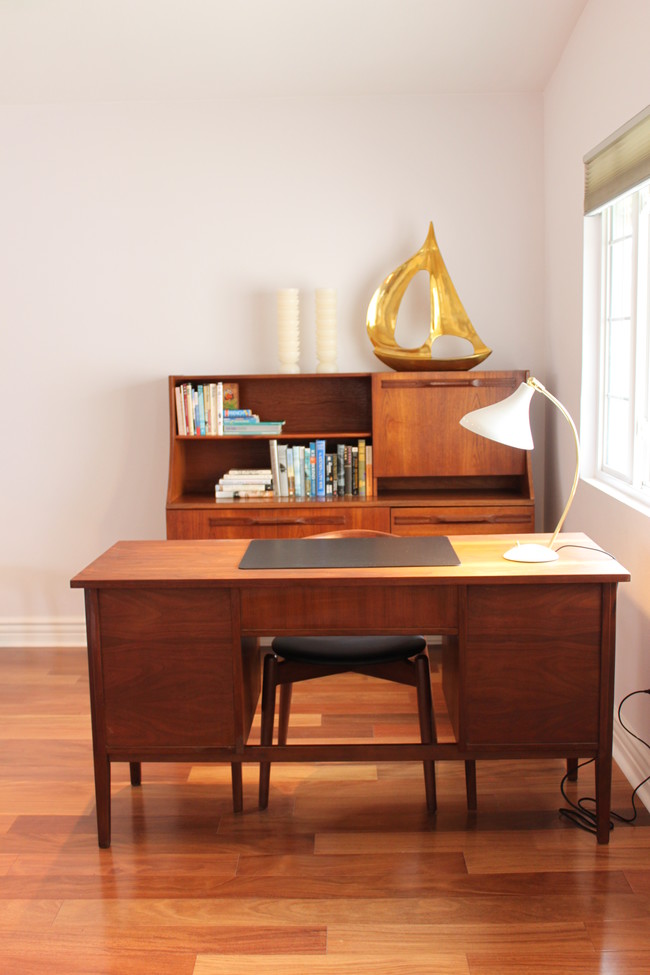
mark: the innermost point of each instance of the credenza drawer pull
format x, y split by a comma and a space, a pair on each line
444, 383
460, 519
253, 521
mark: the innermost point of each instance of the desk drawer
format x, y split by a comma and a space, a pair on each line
462, 519
373, 609
532, 664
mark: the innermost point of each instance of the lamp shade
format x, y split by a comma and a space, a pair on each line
507, 421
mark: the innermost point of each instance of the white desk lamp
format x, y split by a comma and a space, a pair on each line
508, 423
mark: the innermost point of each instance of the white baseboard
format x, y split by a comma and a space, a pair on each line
60, 631
633, 759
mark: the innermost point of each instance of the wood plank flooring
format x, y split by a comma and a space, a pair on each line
344, 873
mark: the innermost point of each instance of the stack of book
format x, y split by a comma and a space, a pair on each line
212, 409
311, 471
256, 483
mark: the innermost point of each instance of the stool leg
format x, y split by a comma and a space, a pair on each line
427, 725
237, 789
470, 784
135, 771
284, 712
269, 681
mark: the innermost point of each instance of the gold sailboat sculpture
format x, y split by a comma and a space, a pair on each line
448, 317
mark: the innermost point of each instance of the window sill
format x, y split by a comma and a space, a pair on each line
617, 495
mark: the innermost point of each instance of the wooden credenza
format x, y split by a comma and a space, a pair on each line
430, 475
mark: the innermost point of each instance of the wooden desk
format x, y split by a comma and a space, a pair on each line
528, 651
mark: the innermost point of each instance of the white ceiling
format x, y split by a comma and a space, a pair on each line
85, 50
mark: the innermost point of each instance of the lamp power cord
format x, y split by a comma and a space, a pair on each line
582, 813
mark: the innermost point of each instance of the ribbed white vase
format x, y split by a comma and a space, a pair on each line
288, 330
326, 330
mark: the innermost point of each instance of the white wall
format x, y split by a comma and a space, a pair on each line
602, 81
140, 239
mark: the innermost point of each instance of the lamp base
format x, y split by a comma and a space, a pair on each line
530, 553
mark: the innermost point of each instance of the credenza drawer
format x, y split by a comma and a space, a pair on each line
290, 521
462, 519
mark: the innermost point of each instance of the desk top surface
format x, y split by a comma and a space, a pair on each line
201, 562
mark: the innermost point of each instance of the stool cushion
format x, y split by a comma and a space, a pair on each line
348, 649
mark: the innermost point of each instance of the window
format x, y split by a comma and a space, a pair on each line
616, 363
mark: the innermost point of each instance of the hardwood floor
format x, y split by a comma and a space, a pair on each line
344, 873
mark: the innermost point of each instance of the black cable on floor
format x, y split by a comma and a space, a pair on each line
582, 816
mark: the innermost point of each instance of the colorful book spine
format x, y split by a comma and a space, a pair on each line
362, 468
320, 468
312, 469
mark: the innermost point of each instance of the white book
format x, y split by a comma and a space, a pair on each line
180, 413
220, 409
282, 470
275, 469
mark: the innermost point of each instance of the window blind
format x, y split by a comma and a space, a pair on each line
619, 163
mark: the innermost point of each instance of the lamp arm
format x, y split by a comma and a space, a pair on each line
535, 383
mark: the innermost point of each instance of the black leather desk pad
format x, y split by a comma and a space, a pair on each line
348, 553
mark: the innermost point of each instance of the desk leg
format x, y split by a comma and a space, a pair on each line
603, 796
103, 801
101, 763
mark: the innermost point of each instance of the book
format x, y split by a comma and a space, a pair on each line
312, 469
258, 428
369, 471
181, 424
230, 396
275, 470
227, 494
348, 470
282, 470
255, 471
291, 477
362, 467
340, 469
320, 468
240, 418
299, 471
329, 475
355, 470
219, 409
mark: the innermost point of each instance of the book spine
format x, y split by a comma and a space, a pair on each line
340, 469
307, 470
275, 470
329, 475
362, 468
291, 475
282, 470
312, 469
220, 409
212, 393
355, 470
320, 468
180, 413
201, 409
370, 487
298, 468
348, 469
